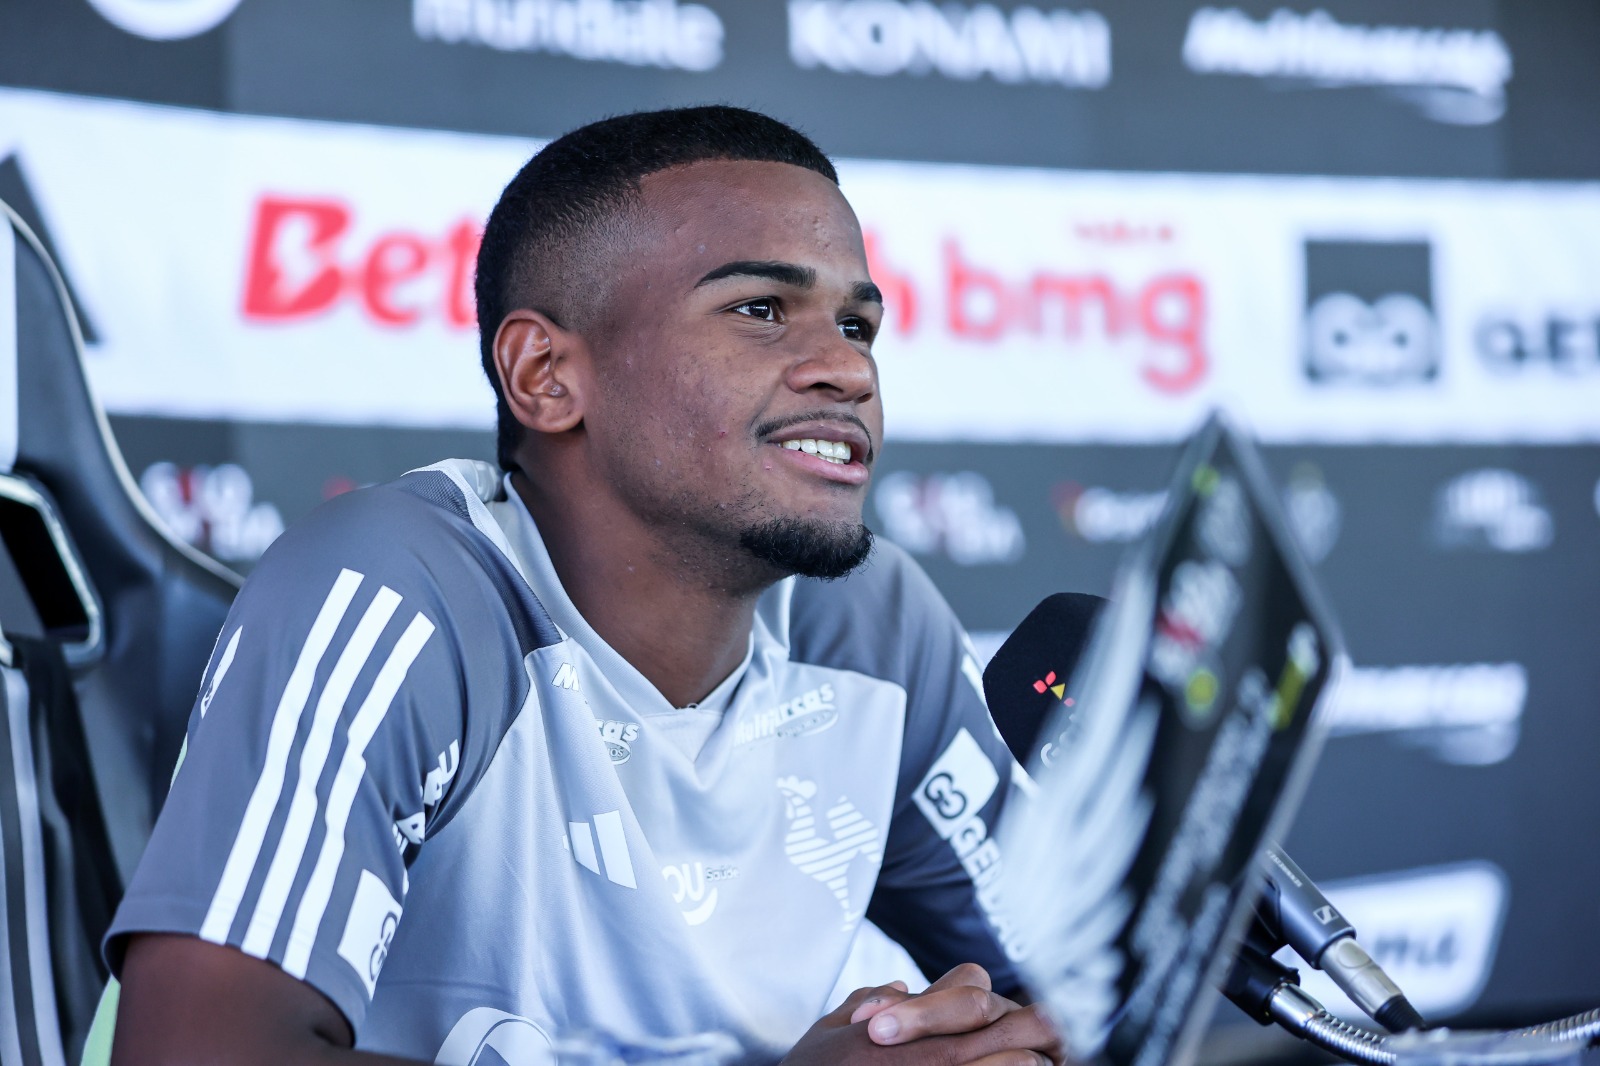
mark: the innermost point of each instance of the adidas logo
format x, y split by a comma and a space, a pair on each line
606, 830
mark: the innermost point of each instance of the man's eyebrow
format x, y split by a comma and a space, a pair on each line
865, 292
800, 277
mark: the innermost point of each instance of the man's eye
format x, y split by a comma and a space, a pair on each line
765, 310
856, 329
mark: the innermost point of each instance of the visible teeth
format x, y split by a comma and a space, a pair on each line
832, 450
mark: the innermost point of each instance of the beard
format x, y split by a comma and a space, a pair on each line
810, 549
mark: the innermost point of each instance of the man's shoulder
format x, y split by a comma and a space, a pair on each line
877, 620
425, 534
422, 511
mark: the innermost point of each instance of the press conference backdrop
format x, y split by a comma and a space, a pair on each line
1370, 230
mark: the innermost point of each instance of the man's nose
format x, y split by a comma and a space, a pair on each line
834, 365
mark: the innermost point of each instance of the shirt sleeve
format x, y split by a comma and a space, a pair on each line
938, 891
328, 740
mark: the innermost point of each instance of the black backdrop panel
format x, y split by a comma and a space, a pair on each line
1437, 560
1128, 86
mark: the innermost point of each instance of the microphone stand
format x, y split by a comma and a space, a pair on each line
1270, 992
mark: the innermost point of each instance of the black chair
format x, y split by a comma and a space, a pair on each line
107, 622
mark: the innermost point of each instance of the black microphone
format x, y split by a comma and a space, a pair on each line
1294, 907
1027, 679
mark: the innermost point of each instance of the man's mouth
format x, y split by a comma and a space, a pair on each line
833, 451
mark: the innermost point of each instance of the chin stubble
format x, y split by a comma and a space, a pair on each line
810, 549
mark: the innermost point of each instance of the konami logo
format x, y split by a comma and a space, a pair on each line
305, 259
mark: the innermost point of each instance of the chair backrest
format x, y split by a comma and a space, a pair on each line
90, 580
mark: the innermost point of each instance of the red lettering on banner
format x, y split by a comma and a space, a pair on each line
1121, 231
899, 291
461, 304
964, 282
1172, 312
395, 258
1167, 311
300, 265
267, 293
1073, 294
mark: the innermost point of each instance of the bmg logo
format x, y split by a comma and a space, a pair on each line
1369, 313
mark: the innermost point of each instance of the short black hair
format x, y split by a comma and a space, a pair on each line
578, 183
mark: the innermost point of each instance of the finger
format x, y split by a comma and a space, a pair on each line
968, 973
854, 1000
1022, 1029
880, 1000
961, 1009
1015, 1057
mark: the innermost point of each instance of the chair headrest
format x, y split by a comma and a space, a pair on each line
71, 517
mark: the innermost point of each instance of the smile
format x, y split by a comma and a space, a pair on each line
833, 451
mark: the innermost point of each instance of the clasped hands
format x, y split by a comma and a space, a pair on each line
958, 1021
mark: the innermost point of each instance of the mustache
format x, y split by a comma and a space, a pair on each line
778, 425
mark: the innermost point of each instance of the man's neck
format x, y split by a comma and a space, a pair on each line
674, 621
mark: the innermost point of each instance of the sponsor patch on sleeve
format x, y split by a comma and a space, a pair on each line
374, 916
957, 785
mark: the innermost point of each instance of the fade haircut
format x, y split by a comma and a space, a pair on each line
538, 245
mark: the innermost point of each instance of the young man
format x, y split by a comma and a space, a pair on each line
481, 760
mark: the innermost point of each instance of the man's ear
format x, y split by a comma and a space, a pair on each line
537, 363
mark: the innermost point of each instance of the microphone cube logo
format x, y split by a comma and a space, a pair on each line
1369, 317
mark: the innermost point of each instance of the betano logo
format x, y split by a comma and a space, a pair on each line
303, 263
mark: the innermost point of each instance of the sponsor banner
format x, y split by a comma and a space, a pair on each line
1440, 87
1123, 307
297, 271
1469, 714
1456, 76
260, 268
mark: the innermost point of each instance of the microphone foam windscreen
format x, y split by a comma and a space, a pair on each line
1028, 675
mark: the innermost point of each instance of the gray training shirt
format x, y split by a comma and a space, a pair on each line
417, 780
